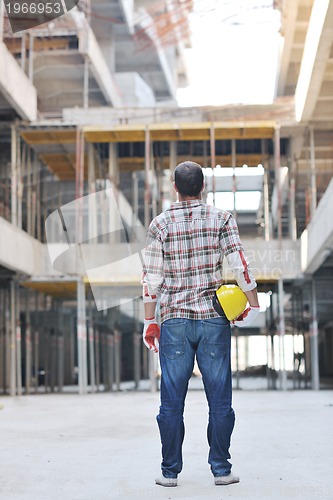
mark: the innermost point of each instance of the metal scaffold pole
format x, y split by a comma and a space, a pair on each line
61, 352
28, 350
12, 382
283, 373
265, 189
147, 194
97, 351
277, 169
13, 175
292, 195
18, 341
172, 166
31, 57
91, 348
136, 344
117, 357
81, 336
213, 159
36, 344
7, 314
2, 341
234, 184
86, 82
315, 383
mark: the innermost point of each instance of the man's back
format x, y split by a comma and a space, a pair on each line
186, 245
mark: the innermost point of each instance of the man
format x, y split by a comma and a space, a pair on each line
183, 261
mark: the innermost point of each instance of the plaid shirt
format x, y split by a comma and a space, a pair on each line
184, 257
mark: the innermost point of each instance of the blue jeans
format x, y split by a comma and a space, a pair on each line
209, 340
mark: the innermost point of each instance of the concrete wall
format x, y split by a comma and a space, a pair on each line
19, 251
317, 239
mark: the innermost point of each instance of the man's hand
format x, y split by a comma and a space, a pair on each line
246, 318
151, 334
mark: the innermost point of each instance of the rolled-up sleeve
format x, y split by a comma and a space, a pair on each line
152, 269
233, 251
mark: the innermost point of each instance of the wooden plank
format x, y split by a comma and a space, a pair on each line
61, 136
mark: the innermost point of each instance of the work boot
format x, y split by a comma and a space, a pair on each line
166, 481
224, 480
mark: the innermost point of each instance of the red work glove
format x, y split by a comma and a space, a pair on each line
247, 316
151, 334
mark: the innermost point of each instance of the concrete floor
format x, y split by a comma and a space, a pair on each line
106, 446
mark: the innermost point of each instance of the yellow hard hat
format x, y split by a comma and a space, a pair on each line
231, 300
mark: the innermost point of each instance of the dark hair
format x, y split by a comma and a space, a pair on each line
189, 178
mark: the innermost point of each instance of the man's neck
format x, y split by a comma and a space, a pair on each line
188, 198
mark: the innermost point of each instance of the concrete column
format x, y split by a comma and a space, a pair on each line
13, 175
277, 168
313, 201
82, 336
283, 373
86, 82
315, 383
292, 194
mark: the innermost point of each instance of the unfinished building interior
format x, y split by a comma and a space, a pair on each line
90, 133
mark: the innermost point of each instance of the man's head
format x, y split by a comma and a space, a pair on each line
188, 177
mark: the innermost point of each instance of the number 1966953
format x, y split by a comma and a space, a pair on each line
34, 8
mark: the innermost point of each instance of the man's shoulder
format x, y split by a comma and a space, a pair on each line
218, 213
164, 218
160, 221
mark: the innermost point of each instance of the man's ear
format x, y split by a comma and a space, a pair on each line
203, 187
175, 187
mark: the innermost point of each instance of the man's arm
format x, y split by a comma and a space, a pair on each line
252, 297
233, 250
152, 279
